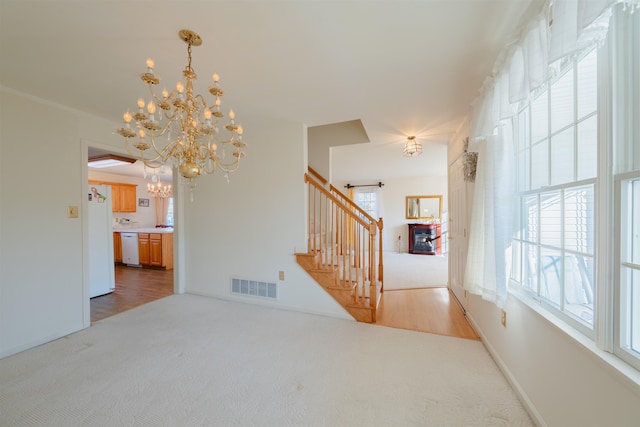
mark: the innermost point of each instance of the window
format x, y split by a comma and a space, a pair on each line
577, 220
554, 245
368, 201
629, 298
626, 178
170, 212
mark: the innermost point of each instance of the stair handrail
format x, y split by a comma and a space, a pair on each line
317, 175
336, 200
353, 204
346, 200
369, 239
379, 223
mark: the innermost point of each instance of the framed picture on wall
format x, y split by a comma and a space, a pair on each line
143, 202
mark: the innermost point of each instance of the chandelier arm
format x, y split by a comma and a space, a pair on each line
163, 153
227, 166
140, 155
202, 152
160, 100
201, 100
229, 169
209, 169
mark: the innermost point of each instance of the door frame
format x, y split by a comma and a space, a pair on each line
179, 278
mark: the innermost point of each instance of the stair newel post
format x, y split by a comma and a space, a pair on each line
373, 296
325, 233
321, 202
309, 195
380, 264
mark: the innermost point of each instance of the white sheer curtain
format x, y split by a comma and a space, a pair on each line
490, 231
162, 208
521, 68
525, 64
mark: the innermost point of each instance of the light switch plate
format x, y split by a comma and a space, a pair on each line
72, 211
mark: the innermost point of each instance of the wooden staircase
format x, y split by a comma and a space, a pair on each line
343, 254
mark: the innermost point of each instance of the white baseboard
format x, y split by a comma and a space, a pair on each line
526, 402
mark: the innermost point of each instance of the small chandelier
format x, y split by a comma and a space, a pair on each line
193, 143
412, 147
159, 190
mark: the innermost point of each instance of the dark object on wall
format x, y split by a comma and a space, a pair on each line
425, 239
470, 162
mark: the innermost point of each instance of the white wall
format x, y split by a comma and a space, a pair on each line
252, 226
322, 138
143, 216
41, 250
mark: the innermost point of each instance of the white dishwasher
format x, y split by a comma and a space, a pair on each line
130, 248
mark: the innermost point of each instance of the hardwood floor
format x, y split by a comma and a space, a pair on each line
134, 287
432, 310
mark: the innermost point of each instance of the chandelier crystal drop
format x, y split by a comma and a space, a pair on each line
193, 141
412, 147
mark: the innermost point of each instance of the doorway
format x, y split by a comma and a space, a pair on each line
134, 286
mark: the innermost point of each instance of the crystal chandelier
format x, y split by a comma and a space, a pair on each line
159, 190
412, 147
193, 141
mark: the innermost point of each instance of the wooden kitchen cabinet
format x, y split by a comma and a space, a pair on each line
123, 196
143, 249
117, 247
156, 250
127, 196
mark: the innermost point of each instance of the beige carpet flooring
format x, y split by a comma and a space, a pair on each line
411, 271
194, 361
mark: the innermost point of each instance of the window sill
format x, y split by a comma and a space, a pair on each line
616, 365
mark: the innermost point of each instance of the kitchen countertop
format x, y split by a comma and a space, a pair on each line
159, 230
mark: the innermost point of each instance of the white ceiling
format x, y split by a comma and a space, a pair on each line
401, 67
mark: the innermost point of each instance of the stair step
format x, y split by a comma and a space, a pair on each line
342, 288
308, 261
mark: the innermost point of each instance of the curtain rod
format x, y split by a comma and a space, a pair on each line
364, 185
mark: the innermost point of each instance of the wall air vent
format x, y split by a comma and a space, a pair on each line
254, 288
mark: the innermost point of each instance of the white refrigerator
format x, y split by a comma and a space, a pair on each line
101, 267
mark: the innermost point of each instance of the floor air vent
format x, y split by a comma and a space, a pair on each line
254, 288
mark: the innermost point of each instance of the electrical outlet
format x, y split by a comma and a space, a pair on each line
503, 320
72, 212
281, 275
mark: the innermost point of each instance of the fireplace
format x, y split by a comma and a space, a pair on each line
424, 239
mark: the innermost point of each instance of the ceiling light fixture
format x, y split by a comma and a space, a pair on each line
159, 190
193, 144
108, 160
412, 147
